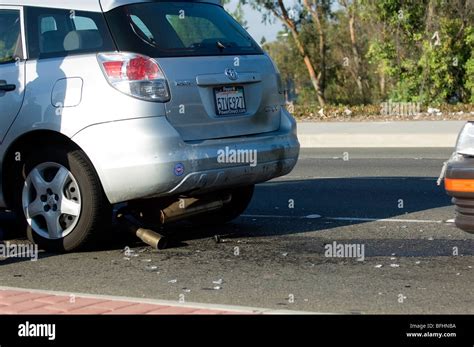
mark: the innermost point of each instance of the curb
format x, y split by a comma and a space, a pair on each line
98, 301
409, 134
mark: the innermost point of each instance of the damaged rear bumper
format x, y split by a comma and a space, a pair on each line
146, 158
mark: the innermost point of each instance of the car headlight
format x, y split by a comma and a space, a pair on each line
465, 144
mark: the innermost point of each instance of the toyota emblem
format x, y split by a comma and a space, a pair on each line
232, 74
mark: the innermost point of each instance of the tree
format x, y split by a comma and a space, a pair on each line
368, 51
469, 84
294, 20
238, 13
431, 52
351, 8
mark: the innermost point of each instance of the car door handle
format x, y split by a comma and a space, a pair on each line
6, 87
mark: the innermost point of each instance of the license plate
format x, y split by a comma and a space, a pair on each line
230, 101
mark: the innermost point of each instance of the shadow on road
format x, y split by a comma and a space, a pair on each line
364, 197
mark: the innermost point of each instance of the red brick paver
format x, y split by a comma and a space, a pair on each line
35, 303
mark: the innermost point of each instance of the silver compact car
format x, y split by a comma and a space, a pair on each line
169, 105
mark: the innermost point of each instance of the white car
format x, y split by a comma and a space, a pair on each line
117, 101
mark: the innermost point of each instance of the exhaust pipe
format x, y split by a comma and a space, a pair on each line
186, 208
152, 238
178, 210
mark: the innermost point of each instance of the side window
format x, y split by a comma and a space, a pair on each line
10, 36
57, 33
47, 24
84, 23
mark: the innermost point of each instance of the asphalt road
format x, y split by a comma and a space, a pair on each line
274, 256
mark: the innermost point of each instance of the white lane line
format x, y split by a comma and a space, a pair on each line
346, 219
401, 178
383, 220
268, 216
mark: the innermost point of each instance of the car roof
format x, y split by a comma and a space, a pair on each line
82, 5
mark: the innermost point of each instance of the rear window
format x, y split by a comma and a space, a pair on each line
170, 29
55, 33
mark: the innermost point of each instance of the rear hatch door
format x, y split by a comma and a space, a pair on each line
222, 84
212, 99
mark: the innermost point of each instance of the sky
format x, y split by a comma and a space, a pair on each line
256, 28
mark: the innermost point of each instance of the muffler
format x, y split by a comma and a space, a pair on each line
185, 208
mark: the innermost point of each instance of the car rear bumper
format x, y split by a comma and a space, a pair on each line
145, 158
459, 183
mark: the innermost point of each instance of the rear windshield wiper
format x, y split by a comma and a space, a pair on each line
221, 46
224, 45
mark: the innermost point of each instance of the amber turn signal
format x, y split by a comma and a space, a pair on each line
459, 185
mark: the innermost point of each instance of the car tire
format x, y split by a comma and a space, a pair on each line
241, 198
62, 199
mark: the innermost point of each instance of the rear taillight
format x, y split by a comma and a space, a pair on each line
135, 75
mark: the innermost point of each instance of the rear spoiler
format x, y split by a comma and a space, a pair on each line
108, 5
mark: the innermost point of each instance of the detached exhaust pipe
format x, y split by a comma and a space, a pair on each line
176, 211
150, 237
185, 208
